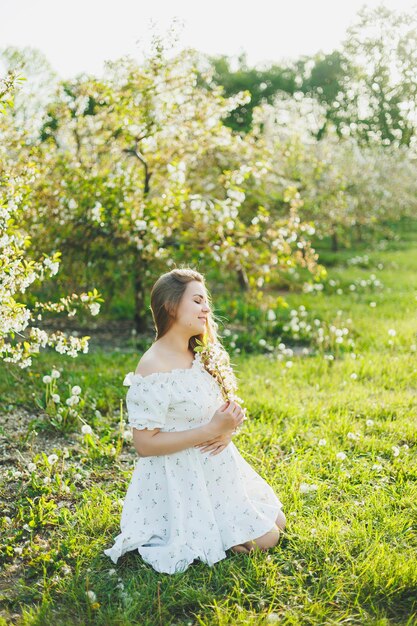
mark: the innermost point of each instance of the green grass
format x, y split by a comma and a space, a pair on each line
349, 553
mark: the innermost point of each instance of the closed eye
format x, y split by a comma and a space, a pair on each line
199, 302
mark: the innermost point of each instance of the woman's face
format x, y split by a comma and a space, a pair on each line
193, 309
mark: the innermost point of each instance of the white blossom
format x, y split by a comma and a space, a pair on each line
91, 596
94, 308
271, 618
306, 487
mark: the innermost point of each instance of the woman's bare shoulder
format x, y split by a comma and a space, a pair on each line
150, 362
157, 360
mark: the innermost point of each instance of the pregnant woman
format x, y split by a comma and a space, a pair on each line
192, 495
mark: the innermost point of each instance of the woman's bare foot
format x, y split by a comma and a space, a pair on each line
240, 549
269, 540
281, 520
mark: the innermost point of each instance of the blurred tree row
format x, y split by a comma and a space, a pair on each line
147, 168
367, 88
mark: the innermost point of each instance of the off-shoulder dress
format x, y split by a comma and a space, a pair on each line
187, 505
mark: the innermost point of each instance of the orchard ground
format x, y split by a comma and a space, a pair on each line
335, 438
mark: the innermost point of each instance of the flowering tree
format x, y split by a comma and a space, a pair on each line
139, 168
17, 270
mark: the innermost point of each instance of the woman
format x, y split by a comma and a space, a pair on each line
192, 495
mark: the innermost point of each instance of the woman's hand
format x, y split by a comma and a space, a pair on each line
216, 445
219, 442
225, 420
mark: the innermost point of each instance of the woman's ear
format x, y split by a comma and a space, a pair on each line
168, 309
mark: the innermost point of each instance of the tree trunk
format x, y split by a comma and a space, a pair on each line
139, 318
335, 242
243, 279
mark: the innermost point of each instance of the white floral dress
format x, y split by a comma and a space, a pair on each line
189, 504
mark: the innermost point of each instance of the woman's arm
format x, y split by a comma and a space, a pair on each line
157, 443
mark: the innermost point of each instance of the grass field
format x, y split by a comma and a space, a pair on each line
349, 552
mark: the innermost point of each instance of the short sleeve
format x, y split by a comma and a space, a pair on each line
147, 400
